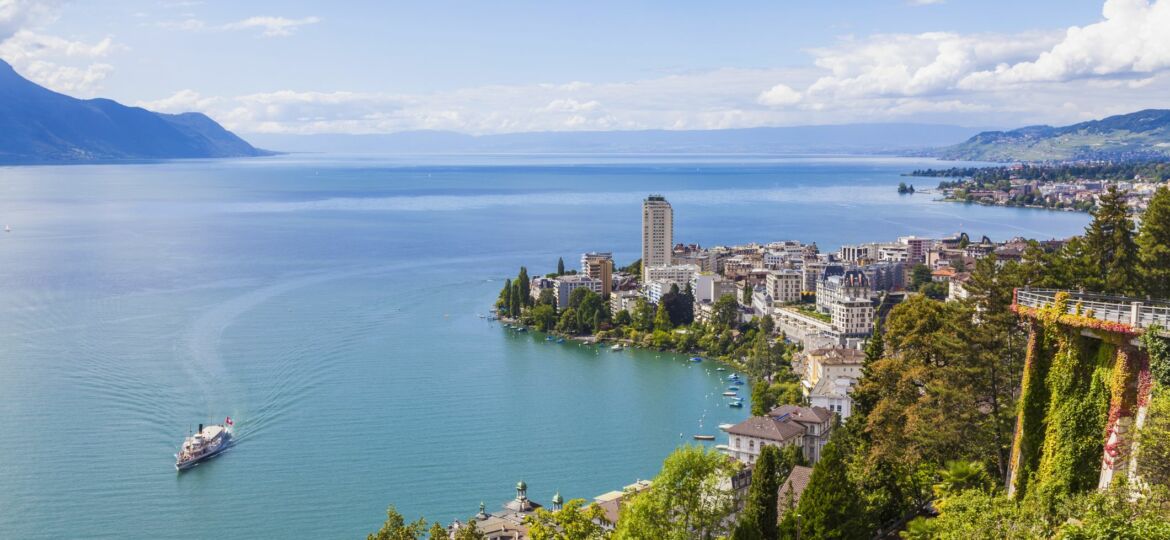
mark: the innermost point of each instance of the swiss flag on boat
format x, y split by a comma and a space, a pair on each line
228, 421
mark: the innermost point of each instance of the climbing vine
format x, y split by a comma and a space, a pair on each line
1032, 404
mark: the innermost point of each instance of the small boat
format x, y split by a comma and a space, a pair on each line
696, 359
549, 338
521, 329
704, 437
732, 376
733, 389
720, 369
729, 393
617, 347
7, 228
208, 442
736, 404
560, 340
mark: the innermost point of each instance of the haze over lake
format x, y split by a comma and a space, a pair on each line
329, 305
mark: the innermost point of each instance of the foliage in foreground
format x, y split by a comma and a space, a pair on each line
686, 500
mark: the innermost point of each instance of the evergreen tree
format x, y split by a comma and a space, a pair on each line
525, 283
506, 297
747, 293
1154, 246
830, 506
1109, 246
517, 297
662, 319
560, 266
759, 518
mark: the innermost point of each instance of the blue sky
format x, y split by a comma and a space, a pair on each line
500, 66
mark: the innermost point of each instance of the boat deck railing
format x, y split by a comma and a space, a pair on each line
1135, 312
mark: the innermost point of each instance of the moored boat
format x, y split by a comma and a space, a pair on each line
737, 404
208, 442
729, 393
704, 437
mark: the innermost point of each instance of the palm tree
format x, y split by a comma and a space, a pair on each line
960, 476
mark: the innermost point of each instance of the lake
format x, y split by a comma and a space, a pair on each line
330, 305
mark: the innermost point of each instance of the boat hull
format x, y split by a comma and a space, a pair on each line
223, 446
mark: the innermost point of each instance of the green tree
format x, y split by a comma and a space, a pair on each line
688, 499
469, 532
767, 324
622, 318
547, 297
759, 518
568, 322
525, 283
1153, 243
573, 522
766, 397
919, 277
1109, 246
506, 297
643, 315
662, 319
960, 476
830, 506
544, 317
725, 313
518, 301
438, 532
396, 528
747, 293
560, 266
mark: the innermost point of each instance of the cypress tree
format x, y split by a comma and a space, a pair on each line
517, 297
759, 518
560, 266
525, 298
1110, 247
747, 293
830, 507
1154, 246
506, 297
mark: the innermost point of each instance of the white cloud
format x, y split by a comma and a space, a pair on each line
924, 2
271, 26
779, 96
17, 14
1133, 39
58, 63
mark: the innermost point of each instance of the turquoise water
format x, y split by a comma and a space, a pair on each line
329, 305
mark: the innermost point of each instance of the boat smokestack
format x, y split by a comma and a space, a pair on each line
200, 428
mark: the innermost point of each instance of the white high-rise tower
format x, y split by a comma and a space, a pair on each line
657, 232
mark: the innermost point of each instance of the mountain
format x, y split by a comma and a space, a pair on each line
858, 138
38, 125
1140, 135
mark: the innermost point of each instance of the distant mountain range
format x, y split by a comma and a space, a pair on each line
1140, 135
38, 125
847, 138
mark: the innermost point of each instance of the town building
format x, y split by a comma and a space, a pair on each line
655, 289
807, 428
623, 300
710, 287
508, 523
599, 266
564, 286
675, 273
784, 286
657, 232
916, 248
853, 317
850, 285
828, 375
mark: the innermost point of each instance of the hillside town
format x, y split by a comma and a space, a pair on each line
822, 304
